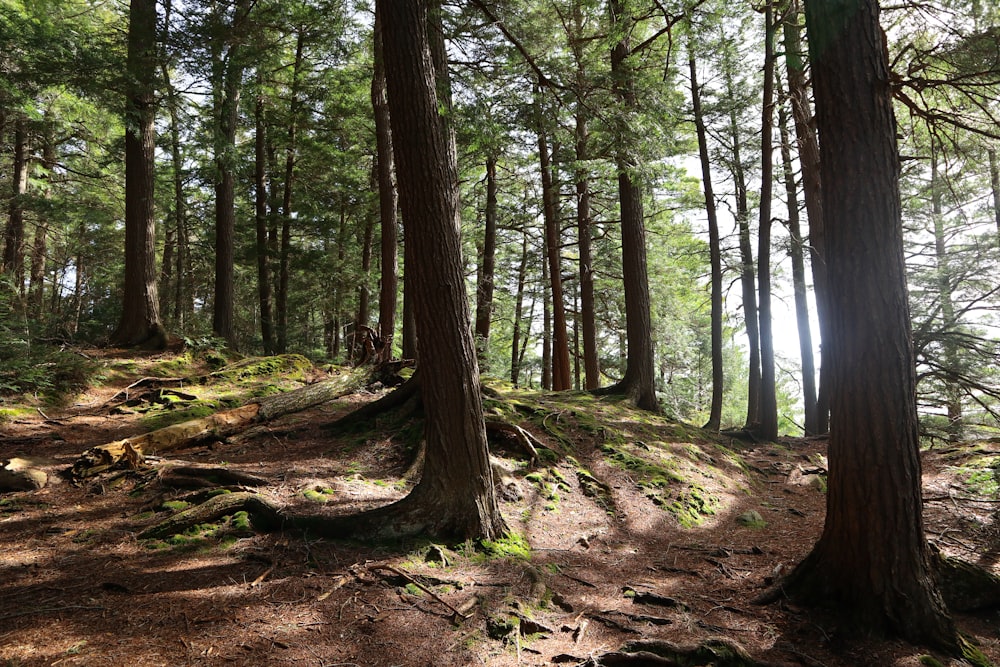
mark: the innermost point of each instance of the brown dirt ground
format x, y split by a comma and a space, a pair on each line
77, 587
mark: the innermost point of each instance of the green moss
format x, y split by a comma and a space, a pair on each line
319, 494
972, 654
751, 519
512, 545
691, 506
161, 418
288, 366
175, 505
930, 661
413, 589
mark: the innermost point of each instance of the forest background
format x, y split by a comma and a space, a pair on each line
270, 235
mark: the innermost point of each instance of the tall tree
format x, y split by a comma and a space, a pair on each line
714, 249
228, 36
140, 321
387, 199
639, 381
878, 585
13, 250
455, 495
767, 415
487, 267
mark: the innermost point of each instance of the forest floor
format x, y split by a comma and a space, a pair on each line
632, 527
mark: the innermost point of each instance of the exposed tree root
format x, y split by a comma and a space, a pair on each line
264, 516
193, 477
964, 586
655, 653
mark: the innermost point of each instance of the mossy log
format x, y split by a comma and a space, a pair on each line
264, 515
220, 425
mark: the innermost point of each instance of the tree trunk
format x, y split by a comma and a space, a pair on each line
389, 282
995, 184
715, 254
284, 253
487, 266
227, 75
140, 322
812, 190
455, 495
560, 339
260, 220
515, 357
767, 427
639, 381
546, 375
872, 563
39, 250
13, 251
364, 291
799, 279
181, 291
952, 392
584, 222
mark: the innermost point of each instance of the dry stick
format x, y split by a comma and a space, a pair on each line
419, 585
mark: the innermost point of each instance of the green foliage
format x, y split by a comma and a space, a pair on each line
512, 545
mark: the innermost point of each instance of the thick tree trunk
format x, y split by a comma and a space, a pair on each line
639, 381
455, 495
715, 253
767, 427
872, 563
799, 279
389, 281
140, 322
812, 190
487, 266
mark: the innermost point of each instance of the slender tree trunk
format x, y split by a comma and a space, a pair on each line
812, 191
260, 219
13, 252
284, 253
487, 267
952, 392
389, 282
39, 251
872, 562
715, 253
995, 183
799, 278
560, 339
364, 290
639, 382
546, 377
515, 357
140, 321
768, 410
455, 494
747, 281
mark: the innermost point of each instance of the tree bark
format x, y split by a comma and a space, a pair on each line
812, 191
389, 282
584, 222
39, 250
13, 252
767, 427
560, 340
877, 585
799, 279
515, 357
715, 253
140, 322
639, 381
260, 220
995, 185
487, 266
285, 250
455, 495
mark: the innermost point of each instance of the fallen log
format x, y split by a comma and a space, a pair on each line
131, 451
